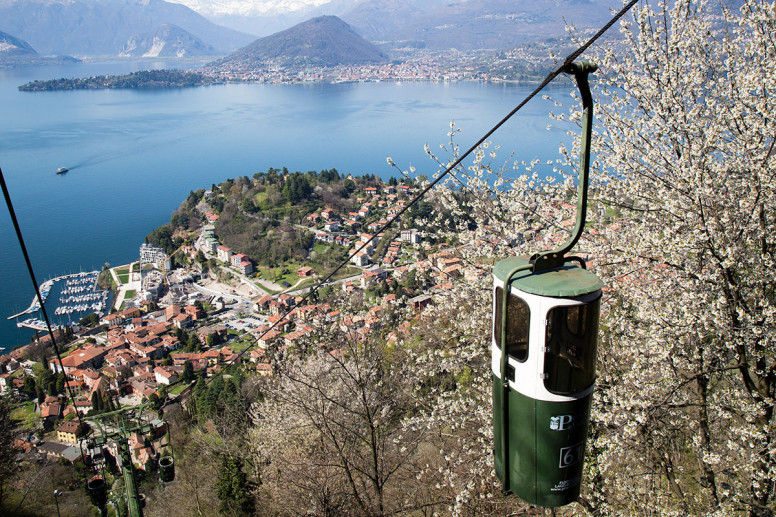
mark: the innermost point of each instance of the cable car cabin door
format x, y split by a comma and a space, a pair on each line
540, 433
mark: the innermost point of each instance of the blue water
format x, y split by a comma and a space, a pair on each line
135, 155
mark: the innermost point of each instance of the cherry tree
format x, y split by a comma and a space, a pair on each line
329, 432
685, 418
682, 232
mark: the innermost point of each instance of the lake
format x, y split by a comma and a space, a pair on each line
135, 155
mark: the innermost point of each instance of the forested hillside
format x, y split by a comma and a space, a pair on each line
262, 218
146, 79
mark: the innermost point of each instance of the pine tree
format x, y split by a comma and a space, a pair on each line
232, 488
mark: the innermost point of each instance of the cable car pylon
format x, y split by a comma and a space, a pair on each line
545, 330
116, 427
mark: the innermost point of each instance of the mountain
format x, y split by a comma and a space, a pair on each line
435, 24
265, 17
248, 8
107, 27
472, 24
322, 41
10, 46
166, 41
17, 52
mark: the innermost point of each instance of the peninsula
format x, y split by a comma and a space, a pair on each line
147, 79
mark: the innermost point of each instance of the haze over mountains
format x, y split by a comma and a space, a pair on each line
434, 24
115, 27
14, 46
263, 17
15, 51
158, 28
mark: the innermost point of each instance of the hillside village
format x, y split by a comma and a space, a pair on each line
199, 322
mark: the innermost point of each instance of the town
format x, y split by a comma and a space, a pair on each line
217, 314
520, 63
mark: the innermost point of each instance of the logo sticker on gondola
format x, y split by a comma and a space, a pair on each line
565, 422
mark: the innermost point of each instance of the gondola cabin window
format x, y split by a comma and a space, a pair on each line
518, 324
571, 339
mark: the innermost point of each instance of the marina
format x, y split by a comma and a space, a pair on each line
77, 294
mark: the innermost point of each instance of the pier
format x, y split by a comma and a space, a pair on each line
44, 289
33, 323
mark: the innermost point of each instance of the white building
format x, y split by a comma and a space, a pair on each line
361, 259
411, 236
153, 255
224, 254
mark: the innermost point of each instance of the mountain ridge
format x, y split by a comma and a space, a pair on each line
474, 24
88, 28
323, 41
15, 52
166, 41
12, 46
436, 24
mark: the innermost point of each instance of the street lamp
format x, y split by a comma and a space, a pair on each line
57, 493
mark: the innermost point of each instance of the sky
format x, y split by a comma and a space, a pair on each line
248, 7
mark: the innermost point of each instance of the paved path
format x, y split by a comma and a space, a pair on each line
122, 289
213, 292
332, 282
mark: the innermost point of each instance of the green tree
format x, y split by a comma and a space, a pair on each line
155, 401
411, 282
47, 381
90, 320
188, 372
29, 384
7, 452
98, 405
193, 342
233, 488
59, 385
162, 237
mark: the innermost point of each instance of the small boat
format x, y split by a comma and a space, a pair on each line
62, 170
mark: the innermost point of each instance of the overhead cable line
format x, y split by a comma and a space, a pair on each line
12, 212
496, 193
547, 80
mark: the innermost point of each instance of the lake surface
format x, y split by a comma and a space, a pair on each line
135, 155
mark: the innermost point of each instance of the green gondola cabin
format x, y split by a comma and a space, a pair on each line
545, 331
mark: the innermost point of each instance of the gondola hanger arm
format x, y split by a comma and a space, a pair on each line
551, 259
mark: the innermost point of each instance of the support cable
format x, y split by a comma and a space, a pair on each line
564, 66
12, 212
547, 80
